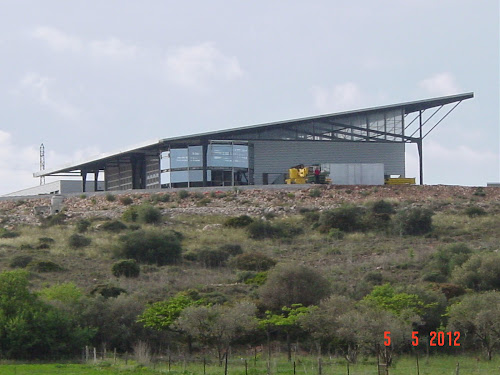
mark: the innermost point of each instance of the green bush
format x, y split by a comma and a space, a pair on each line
127, 268
182, 194
20, 261
315, 193
148, 214
449, 257
383, 207
107, 291
114, 226
481, 272
475, 211
4, 233
213, 257
259, 279
238, 221
82, 225
77, 241
253, 262
152, 247
336, 234
260, 229
191, 256
126, 201
110, 197
345, 218
203, 202
155, 198
51, 220
231, 249
44, 266
414, 221
373, 277
46, 240
130, 214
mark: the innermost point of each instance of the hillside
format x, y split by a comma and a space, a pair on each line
354, 261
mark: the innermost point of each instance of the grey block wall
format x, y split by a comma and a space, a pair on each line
278, 156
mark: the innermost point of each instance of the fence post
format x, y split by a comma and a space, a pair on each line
418, 367
457, 371
204, 366
348, 367
246, 367
225, 365
169, 361
294, 368
320, 367
86, 353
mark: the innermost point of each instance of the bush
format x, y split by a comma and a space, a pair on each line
414, 221
213, 257
110, 197
315, 193
20, 261
182, 194
46, 240
127, 268
126, 201
77, 241
231, 249
114, 226
152, 247
4, 233
345, 218
148, 214
259, 279
383, 207
107, 291
44, 266
480, 272
475, 211
82, 225
51, 220
260, 229
238, 221
336, 234
253, 262
373, 277
130, 214
450, 256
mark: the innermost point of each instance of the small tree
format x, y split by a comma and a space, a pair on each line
127, 268
414, 221
152, 246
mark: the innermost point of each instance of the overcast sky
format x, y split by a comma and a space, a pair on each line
86, 77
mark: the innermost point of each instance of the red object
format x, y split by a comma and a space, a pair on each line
317, 172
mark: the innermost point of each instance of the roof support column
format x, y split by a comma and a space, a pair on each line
204, 157
96, 178
420, 151
83, 173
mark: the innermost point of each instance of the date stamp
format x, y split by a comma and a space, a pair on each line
435, 338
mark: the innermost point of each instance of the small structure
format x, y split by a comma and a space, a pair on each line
57, 187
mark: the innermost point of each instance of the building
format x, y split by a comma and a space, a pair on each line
262, 154
58, 187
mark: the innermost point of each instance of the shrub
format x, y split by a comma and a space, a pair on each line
114, 226
383, 207
190, 256
238, 221
259, 279
434, 277
46, 240
51, 220
374, 277
44, 266
336, 234
253, 262
182, 194
479, 192
110, 197
450, 256
345, 218
126, 201
20, 261
148, 214
480, 272
77, 241
310, 217
260, 229
475, 211
127, 268
212, 257
82, 225
231, 249
203, 202
153, 247
107, 291
4, 233
315, 193
130, 214
414, 221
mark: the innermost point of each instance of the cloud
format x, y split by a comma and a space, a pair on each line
440, 84
106, 48
17, 163
113, 48
194, 66
345, 96
39, 87
57, 39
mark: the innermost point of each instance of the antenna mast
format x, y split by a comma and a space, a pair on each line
42, 163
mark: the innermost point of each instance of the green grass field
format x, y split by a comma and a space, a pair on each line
434, 365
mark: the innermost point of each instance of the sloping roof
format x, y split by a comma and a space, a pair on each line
407, 107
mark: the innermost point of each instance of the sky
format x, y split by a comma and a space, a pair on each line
90, 77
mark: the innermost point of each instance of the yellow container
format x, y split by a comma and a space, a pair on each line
300, 180
303, 172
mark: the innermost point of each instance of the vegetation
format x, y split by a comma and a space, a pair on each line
329, 279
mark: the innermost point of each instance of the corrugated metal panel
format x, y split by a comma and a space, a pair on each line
152, 171
119, 178
355, 174
277, 157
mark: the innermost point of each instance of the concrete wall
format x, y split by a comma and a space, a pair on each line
57, 187
275, 157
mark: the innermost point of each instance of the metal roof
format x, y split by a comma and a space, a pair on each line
407, 107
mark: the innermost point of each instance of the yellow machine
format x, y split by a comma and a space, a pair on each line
297, 175
400, 181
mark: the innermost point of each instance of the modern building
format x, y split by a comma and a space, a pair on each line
262, 154
58, 187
